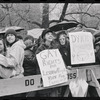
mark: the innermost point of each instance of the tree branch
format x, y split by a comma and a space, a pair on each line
27, 20
50, 10
3, 18
88, 8
63, 12
2, 6
84, 13
73, 17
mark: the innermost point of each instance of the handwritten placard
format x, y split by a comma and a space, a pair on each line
52, 67
81, 45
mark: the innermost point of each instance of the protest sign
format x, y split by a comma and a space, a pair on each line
52, 67
81, 45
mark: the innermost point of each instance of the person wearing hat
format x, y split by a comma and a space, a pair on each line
28, 64
29, 68
48, 37
15, 53
14, 57
13, 34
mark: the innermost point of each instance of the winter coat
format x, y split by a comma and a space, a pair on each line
42, 47
14, 58
5, 72
28, 64
52, 91
97, 56
65, 53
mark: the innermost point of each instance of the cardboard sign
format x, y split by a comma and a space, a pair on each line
81, 46
52, 67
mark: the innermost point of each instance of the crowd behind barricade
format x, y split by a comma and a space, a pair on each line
18, 57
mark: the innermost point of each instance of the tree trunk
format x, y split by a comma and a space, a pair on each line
45, 15
8, 10
63, 12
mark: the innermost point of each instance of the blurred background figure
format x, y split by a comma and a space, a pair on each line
28, 64
29, 67
29, 41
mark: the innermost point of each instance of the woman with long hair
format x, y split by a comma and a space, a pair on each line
15, 53
64, 49
4, 72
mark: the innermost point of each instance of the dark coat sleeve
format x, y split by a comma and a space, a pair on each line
28, 64
97, 55
39, 49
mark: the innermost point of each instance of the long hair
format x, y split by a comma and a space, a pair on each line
9, 44
5, 49
61, 33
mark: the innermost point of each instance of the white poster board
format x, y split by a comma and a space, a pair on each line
52, 67
81, 46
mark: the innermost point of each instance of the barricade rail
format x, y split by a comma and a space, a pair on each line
33, 83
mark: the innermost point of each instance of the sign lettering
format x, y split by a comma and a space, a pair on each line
81, 46
52, 67
29, 82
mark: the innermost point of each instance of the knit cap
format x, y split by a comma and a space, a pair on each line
10, 31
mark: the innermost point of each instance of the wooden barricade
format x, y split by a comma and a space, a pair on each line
34, 83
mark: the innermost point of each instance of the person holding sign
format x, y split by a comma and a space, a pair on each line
64, 49
48, 36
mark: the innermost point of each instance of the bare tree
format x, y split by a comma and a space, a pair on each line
45, 16
6, 12
15, 14
63, 12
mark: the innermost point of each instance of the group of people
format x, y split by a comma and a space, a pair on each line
18, 57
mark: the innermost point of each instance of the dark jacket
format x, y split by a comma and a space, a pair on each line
65, 52
97, 56
28, 64
42, 47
